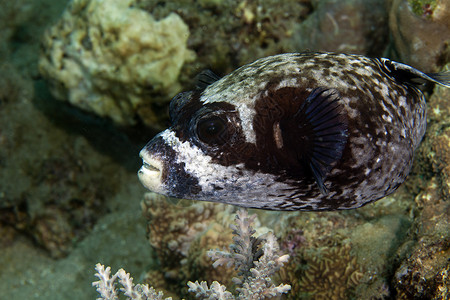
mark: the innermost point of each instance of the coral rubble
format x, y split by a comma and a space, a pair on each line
114, 59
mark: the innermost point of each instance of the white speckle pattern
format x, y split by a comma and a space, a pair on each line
230, 184
386, 120
292, 81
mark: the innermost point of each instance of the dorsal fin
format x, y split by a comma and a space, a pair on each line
205, 78
404, 72
440, 78
321, 120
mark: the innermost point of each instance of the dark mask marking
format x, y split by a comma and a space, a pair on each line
174, 175
313, 129
177, 105
233, 151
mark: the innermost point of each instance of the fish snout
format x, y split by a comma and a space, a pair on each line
150, 174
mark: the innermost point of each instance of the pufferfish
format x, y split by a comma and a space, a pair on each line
295, 131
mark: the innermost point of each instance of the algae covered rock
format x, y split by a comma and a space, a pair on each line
349, 26
424, 269
423, 273
421, 32
115, 60
227, 34
12, 15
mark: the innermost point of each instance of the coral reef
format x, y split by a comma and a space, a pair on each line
350, 253
181, 237
52, 186
106, 286
331, 273
64, 172
227, 34
423, 263
421, 41
323, 265
423, 272
350, 26
126, 59
113, 59
434, 153
256, 264
335, 255
256, 258
57, 202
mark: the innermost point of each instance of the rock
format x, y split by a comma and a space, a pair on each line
421, 39
114, 59
424, 267
350, 26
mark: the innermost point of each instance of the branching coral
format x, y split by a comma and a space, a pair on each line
245, 250
215, 292
256, 264
107, 290
256, 258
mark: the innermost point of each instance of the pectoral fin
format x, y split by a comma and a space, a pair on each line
321, 119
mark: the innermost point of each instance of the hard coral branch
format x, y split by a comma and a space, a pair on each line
256, 258
256, 263
106, 286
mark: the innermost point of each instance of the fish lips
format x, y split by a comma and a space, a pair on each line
152, 170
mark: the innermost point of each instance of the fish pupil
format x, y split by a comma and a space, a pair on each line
211, 130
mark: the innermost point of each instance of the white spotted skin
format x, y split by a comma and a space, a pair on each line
229, 88
387, 120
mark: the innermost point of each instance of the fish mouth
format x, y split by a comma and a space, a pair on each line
149, 167
150, 174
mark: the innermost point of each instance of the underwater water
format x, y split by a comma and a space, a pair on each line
85, 84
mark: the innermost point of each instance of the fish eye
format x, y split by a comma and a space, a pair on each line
212, 130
